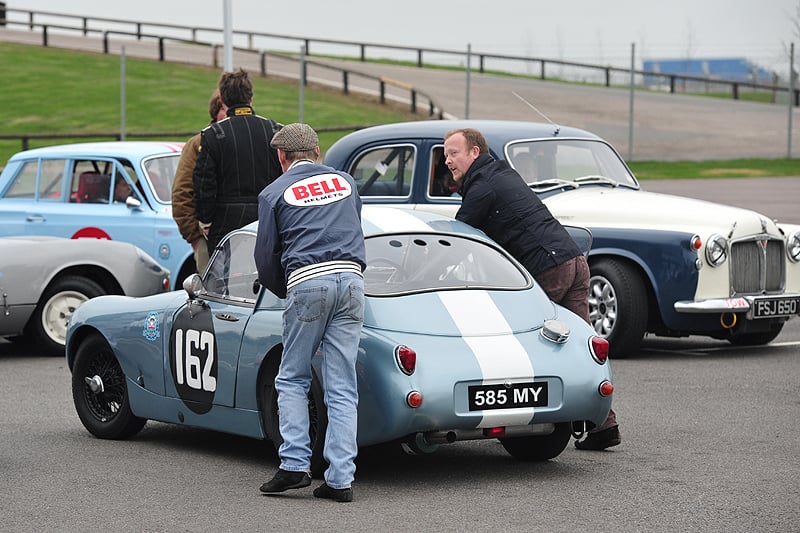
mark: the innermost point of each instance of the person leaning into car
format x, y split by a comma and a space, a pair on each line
183, 189
496, 200
234, 163
310, 250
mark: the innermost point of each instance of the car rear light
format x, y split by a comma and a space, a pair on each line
414, 399
495, 433
696, 243
165, 284
406, 359
605, 389
598, 346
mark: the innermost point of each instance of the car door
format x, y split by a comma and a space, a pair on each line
206, 333
89, 207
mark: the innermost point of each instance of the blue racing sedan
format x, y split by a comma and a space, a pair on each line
458, 343
120, 191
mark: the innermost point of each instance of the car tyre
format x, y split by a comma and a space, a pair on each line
617, 306
100, 392
317, 415
47, 327
539, 448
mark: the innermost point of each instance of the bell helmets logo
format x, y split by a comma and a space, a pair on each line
316, 190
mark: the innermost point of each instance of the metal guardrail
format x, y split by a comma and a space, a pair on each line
382, 83
26, 138
192, 33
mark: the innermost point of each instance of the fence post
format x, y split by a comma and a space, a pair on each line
735, 90
383, 92
419, 57
161, 49
363, 52
105, 42
345, 84
138, 31
413, 100
85, 26
44, 35
608, 76
263, 62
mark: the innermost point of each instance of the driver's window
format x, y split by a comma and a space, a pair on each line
232, 274
385, 171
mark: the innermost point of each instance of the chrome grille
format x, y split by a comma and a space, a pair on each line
757, 269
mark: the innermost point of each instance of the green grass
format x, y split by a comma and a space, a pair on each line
734, 168
54, 91
50, 91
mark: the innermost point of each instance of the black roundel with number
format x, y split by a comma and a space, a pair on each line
193, 358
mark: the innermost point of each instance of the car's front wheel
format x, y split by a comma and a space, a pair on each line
617, 305
317, 416
48, 325
539, 448
100, 392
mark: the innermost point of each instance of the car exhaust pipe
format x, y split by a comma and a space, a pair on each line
453, 435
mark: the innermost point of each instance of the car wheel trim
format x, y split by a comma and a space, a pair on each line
104, 387
602, 306
57, 312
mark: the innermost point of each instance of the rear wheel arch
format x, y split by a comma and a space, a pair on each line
47, 326
267, 404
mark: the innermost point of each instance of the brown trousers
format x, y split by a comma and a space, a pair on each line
568, 285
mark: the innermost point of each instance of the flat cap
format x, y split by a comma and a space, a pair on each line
295, 137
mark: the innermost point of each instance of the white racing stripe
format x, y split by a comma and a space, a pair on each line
499, 353
390, 219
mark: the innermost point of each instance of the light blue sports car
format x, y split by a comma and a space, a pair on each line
458, 343
120, 191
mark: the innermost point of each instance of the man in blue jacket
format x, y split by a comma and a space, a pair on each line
310, 251
496, 200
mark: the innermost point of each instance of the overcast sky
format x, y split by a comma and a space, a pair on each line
573, 30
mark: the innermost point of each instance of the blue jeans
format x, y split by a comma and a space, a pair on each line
325, 314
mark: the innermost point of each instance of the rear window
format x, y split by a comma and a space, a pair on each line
409, 263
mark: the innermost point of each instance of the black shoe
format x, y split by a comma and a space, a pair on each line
285, 480
337, 495
600, 440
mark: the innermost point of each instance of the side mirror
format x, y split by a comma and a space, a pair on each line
582, 236
193, 285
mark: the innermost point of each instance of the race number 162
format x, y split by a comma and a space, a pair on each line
188, 367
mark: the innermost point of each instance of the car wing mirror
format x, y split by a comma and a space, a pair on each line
193, 285
582, 237
133, 202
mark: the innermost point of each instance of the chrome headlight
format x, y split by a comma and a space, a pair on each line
716, 250
793, 246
